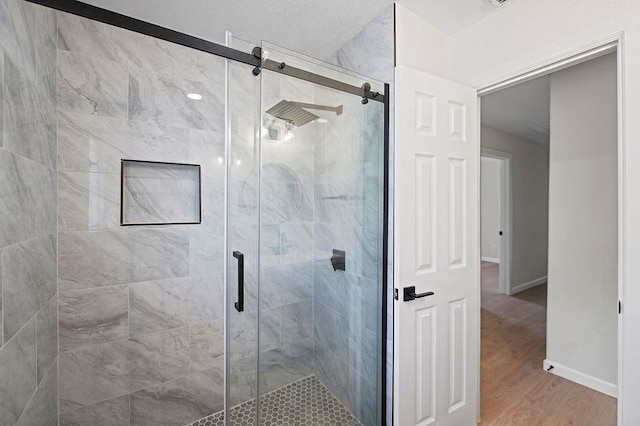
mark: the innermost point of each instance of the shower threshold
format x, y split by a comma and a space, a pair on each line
301, 403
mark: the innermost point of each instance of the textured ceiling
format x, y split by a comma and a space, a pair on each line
315, 28
522, 110
451, 16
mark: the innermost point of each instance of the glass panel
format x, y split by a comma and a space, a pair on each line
242, 237
320, 249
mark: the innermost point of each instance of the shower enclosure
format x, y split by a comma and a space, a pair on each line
214, 221
304, 246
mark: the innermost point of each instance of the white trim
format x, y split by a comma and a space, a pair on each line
588, 54
526, 286
506, 214
490, 259
581, 378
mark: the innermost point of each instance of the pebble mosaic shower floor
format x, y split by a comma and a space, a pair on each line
303, 403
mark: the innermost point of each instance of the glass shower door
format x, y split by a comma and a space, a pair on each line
241, 329
320, 248
304, 228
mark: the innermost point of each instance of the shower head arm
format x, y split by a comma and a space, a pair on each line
337, 110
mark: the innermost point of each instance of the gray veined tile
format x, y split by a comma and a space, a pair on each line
1, 313
206, 250
364, 399
27, 199
102, 258
47, 51
47, 324
285, 364
91, 86
17, 373
29, 280
93, 316
18, 26
96, 373
160, 305
334, 374
296, 243
286, 284
88, 201
179, 401
154, 97
29, 117
284, 197
331, 331
113, 412
206, 346
243, 331
297, 321
1, 97
243, 379
269, 327
207, 298
173, 303
42, 409
89, 143
136, 51
339, 203
370, 52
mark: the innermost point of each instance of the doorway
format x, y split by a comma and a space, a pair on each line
563, 156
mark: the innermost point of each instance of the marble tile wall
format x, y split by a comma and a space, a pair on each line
140, 308
28, 249
347, 305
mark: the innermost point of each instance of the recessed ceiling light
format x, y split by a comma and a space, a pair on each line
194, 96
322, 120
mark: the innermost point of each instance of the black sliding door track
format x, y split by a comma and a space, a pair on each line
128, 23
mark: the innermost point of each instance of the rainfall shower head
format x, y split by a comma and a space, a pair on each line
294, 112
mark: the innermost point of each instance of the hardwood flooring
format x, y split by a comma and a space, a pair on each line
514, 388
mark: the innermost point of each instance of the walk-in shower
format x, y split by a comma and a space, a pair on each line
220, 232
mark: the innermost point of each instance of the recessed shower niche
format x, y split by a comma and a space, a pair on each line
158, 193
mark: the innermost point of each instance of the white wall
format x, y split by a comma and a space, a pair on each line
583, 243
420, 45
490, 209
529, 201
528, 32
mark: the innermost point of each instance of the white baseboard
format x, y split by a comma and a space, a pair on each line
490, 259
581, 378
527, 286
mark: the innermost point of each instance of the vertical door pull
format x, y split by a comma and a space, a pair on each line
239, 305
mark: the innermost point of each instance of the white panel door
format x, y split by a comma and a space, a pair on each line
436, 250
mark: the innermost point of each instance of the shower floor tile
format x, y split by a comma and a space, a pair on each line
302, 403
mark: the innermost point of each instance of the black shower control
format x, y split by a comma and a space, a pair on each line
338, 260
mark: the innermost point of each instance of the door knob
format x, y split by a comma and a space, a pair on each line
410, 294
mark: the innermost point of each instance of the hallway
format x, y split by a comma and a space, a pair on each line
515, 389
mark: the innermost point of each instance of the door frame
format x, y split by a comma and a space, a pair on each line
506, 211
557, 62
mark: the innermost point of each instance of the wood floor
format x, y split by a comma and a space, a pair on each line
515, 389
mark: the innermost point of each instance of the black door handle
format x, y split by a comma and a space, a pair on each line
239, 305
410, 294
